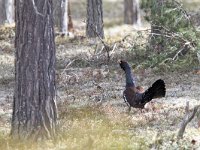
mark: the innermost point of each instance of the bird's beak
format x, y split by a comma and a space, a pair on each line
119, 61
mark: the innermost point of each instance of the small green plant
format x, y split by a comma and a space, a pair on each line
174, 41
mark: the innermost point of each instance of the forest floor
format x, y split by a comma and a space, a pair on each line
92, 112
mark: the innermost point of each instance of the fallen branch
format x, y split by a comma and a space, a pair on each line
67, 66
187, 118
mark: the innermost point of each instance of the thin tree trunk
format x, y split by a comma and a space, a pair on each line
94, 25
9, 6
34, 108
70, 23
2, 12
64, 17
132, 12
66, 24
137, 12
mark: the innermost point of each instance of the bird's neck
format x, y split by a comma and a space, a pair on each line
130, 79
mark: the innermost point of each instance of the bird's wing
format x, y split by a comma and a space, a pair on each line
133, 98
125, 99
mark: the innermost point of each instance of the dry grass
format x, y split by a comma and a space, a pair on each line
106, 127
92, 114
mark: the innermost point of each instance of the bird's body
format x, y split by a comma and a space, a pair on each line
135, 96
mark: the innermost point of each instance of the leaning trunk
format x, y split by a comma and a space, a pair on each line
34, 109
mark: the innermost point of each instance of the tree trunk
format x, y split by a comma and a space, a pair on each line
9, 5
66, 24
2, 12
34, 108
94, 25
132, 12
70, 23
64, 17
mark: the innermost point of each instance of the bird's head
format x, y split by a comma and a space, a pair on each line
123, 64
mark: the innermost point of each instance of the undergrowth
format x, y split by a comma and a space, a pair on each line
87, 127
102, 127
173, 40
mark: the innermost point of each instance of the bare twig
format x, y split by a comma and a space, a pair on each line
183, 10
67, 66
170, 34
113, 49
124, 38
106, 46
187, 118
177, 54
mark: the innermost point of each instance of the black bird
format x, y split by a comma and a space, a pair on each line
135, 96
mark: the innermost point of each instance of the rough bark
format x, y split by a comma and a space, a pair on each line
9, 6
132, 12
94, 25
34, 108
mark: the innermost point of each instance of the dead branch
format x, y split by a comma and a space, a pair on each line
124, 38
68, 66
170, 34
106, 46
113, 50
187, 118
186, 15
177, 54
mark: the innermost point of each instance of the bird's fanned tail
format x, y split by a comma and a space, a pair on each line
157, 90
130, 80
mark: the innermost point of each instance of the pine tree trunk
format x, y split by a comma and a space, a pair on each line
64, 17
66, 24
2, 12
9, 5
132, 12
94, 25
70, 23
34, 108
